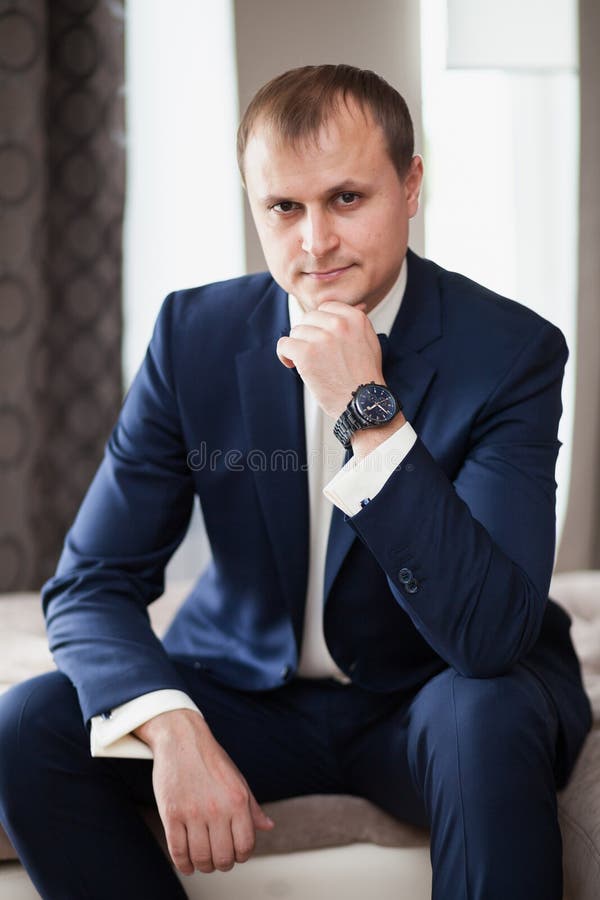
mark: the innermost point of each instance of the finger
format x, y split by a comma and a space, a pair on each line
221, 845
315, 325
285, 357
322, 318
178, 847
288, 363
336, 319
261, 819
200, 849
243, 833
369, 331
338, 308
311, 332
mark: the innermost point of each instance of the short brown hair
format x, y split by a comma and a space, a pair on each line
298, 103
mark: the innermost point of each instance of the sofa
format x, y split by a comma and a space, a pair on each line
341, 845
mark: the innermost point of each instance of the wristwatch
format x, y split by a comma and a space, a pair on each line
371, 405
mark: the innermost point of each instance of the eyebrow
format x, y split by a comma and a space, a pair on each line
349, 185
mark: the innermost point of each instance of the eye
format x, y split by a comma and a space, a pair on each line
347, 198
284, 206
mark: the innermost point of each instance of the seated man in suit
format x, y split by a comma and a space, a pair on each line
372, 440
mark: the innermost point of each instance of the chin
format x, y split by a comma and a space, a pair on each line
334, 293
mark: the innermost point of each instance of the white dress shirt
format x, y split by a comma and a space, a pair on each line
328, 483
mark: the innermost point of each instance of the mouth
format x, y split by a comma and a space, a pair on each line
329, 274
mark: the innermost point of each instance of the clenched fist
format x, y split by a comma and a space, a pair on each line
334, 349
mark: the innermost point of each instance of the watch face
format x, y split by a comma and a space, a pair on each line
375, 403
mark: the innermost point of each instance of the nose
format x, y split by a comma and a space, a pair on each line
319, 236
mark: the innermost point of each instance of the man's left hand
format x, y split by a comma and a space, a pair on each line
334, 350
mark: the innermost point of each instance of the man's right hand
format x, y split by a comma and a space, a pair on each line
209, 813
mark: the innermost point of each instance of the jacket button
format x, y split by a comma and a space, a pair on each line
412, 587
286, 673
404, 576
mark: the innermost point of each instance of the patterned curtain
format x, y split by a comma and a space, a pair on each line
61, 205
580, 545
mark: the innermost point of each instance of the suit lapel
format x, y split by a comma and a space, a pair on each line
273, 419
407, 374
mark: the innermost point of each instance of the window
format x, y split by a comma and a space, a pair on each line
501, 151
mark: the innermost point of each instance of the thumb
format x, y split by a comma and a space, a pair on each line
260, 819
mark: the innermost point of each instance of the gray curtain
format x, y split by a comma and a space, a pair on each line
61, 204
580, 546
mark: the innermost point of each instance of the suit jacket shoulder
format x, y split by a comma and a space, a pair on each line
222, 305
469, 308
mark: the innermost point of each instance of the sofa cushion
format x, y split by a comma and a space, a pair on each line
7, 850
579, 803
320, 821
332, 820
23, 646
579, 593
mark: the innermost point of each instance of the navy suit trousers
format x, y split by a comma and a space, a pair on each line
475, 759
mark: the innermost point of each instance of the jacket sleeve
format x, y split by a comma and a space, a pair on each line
132, 519
470, 560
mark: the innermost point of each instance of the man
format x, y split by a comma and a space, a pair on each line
398, 644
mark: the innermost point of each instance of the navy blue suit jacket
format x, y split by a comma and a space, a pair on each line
470, 511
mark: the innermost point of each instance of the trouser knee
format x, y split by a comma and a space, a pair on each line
507, 721
40, 719
482, 752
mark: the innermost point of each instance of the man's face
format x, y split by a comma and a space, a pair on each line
332, 215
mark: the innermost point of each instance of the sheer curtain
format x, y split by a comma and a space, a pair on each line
184, 219
183, 223
502, 165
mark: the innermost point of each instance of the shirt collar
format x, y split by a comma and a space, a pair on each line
381, 316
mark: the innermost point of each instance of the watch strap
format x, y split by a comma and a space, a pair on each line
347, 424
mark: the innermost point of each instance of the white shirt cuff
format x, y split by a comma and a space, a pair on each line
362, 479
111, 735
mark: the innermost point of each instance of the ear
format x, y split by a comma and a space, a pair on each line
412, 185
